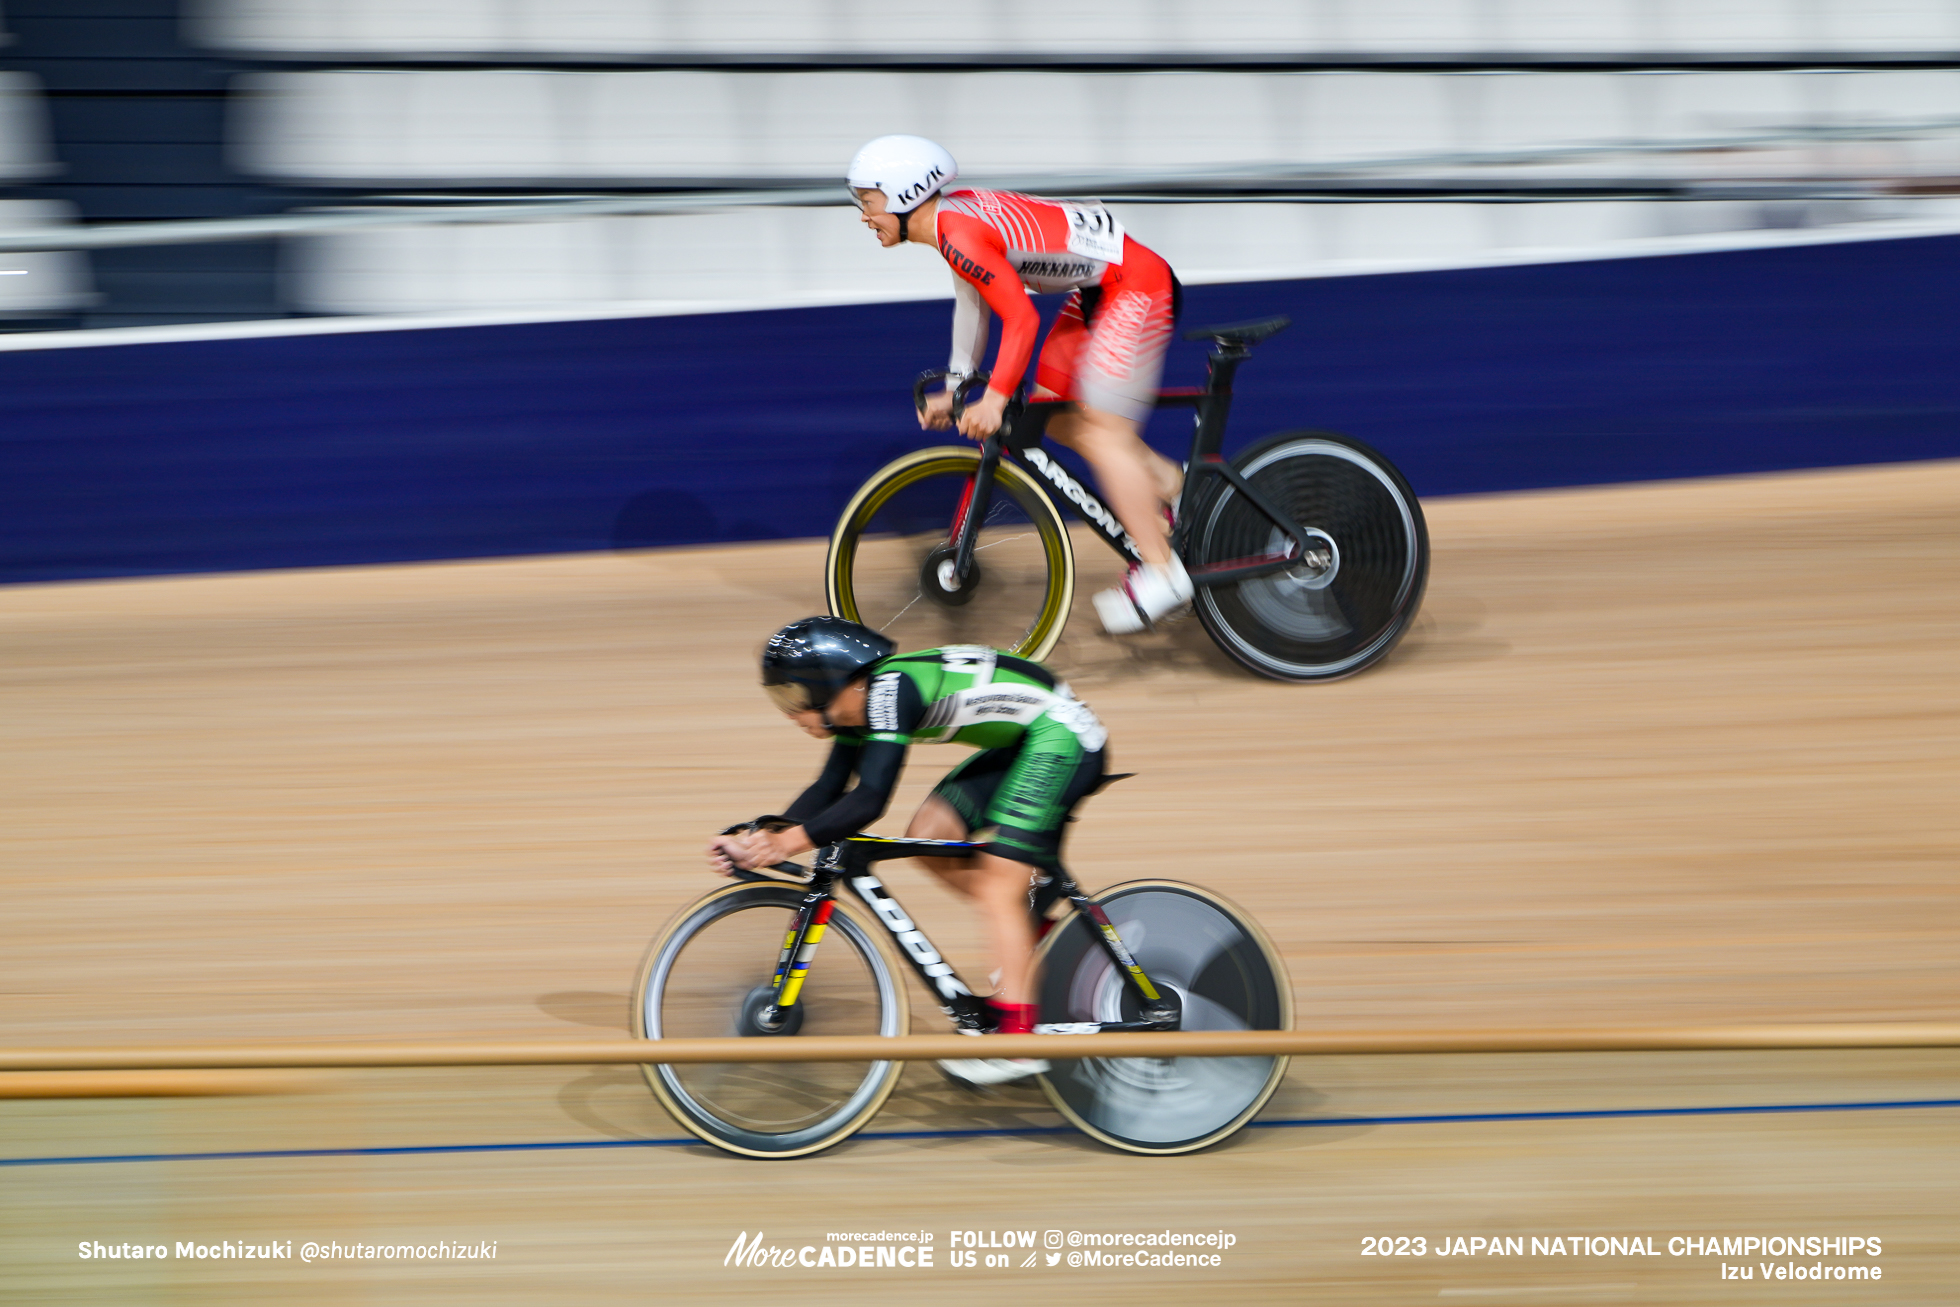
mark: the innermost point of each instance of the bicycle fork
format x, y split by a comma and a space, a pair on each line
813, 918
806, 931
973, 509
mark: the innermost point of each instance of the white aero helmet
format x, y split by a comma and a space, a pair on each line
908, 169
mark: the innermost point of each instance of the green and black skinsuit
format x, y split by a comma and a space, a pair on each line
1041, 749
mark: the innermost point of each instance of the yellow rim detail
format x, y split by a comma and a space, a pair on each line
920, 465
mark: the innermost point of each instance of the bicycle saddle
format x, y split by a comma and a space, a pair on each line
1241, 334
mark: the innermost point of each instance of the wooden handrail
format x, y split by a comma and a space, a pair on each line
917, 1048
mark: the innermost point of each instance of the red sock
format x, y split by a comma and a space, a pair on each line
1014, 1018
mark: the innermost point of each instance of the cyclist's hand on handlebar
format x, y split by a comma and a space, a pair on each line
767, 848
982, 417
728, 854
760, 849
937, 415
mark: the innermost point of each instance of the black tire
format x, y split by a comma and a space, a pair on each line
1226, 976
894, 533
1320, 620
701, 979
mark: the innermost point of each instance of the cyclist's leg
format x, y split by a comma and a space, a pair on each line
1051, 773
997, 886
1026, 795
1112, 374
1105, 428
1028, 805
1135, 479
1166, 477
956, 808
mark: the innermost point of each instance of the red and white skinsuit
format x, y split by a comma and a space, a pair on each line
1001, 245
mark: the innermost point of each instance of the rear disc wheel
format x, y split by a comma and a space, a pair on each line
1343, 606
1224, 974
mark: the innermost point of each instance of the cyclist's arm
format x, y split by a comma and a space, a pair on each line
979, 260
879, 763
894, 708
824, 811
971, 322
830, 782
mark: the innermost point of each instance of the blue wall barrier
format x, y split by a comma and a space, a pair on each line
385, 446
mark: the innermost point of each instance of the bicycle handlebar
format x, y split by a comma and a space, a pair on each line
870, 848
769, 822
958, 392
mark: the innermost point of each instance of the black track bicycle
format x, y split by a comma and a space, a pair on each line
1308, 551
1148, 955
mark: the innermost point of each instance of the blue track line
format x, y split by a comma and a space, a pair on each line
1294, 1123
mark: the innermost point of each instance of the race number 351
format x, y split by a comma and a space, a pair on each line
1093, 232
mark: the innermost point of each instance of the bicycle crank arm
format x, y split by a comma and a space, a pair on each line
1244, 569
1103, 1027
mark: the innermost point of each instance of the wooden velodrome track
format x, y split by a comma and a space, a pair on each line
1672, 753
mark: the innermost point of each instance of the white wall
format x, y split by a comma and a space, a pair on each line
25, 150
756, 257
385, 129
1051, 28
40, 282
382, 127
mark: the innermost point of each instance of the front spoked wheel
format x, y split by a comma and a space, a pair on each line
1225, 976
891, 565
1343, 606
708, 976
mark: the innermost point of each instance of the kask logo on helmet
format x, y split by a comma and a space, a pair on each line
917, 190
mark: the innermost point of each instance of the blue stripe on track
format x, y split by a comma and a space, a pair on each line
1609, 1113
1295, 1123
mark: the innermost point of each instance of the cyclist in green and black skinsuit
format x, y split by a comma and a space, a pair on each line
1041, 751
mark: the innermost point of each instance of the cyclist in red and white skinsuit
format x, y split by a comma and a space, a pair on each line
1105, 351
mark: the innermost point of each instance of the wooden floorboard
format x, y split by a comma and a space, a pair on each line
1680, 753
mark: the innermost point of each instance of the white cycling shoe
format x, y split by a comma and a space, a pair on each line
986, 1072
1148, 595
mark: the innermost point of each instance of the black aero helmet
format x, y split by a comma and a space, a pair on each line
806, 663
